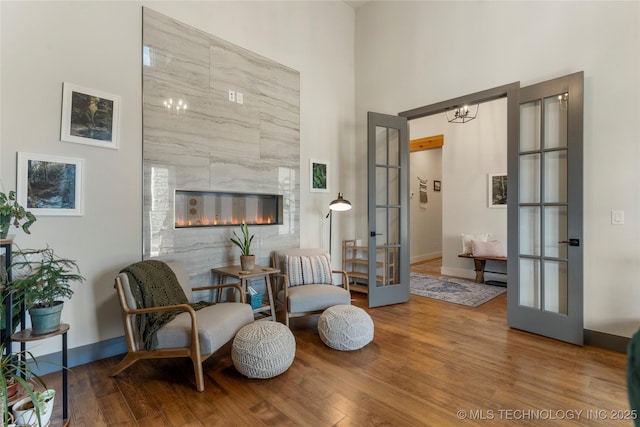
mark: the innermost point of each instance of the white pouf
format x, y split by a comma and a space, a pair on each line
263, 349
345, 327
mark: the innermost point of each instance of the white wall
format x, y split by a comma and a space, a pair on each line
411, 54
98, 45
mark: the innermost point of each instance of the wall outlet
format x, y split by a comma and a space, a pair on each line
232, 95
239, 98
617, 217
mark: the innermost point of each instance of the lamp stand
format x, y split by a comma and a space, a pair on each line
330, 216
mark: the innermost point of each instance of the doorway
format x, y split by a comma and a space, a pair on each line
456, 178
544, 139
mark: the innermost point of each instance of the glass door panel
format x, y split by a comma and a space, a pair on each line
530, 230
530, 178
530, 126
382, 148
555, 121
555, 231
555, 176
394, 148
529, 283
555, 287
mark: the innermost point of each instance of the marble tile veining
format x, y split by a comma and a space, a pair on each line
214, 144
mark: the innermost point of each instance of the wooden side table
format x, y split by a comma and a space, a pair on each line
258, 272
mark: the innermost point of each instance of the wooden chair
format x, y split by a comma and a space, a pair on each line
306, 286
194, 334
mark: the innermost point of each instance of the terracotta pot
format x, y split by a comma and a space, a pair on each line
247, 262
12, 387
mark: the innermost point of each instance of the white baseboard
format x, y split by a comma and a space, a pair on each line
425, 257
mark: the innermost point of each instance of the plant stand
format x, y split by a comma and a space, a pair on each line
24, 336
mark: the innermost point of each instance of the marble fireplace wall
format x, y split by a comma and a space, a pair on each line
214, 144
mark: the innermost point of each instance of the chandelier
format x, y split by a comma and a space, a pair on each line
462, 114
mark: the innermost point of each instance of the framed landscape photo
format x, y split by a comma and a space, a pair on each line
50, 185
90, 117
319, 176
497, 190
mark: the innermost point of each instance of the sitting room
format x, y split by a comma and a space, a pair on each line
217, 109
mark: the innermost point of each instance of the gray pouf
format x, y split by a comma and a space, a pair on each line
345, 327
263, 349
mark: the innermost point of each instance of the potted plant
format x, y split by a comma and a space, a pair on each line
11, 212
42, 279
34, 411
16, 370
247, 260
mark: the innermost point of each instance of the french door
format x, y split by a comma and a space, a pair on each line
388, 209
545, 225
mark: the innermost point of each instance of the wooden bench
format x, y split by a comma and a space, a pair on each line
480, 263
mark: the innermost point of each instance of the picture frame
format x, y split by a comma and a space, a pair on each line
318, 176
59, 192
90, 117
437, 185
497, 190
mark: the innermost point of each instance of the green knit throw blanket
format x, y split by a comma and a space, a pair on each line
154, 284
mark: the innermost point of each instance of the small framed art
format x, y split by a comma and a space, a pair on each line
50, 185
497, 190
436, 185
90, 117
319, 176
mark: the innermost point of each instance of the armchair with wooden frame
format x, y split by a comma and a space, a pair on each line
193, 334
306, 286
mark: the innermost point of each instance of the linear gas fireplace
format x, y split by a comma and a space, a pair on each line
219, 209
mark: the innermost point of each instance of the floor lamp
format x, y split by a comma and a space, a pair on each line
339, 204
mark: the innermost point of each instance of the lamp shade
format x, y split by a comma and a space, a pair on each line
340, 204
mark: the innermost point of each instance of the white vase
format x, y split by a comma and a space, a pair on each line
27, 417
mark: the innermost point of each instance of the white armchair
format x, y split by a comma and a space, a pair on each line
196, 334
306, 285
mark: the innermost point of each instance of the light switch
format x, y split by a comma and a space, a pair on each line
239, 98
617, 217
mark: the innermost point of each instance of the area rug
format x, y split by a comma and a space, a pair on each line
457, 291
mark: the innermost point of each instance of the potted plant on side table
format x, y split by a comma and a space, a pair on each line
247, 260
12, 213
42, 279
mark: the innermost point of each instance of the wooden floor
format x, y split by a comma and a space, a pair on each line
430, 266
431, 364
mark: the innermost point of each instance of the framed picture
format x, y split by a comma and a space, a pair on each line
90, 117
436, 185
50, 185
497, 190
319, 176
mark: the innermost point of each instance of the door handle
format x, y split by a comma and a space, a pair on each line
374, 234
571, 242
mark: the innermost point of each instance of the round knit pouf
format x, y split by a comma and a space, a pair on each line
263, 349
345, 327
